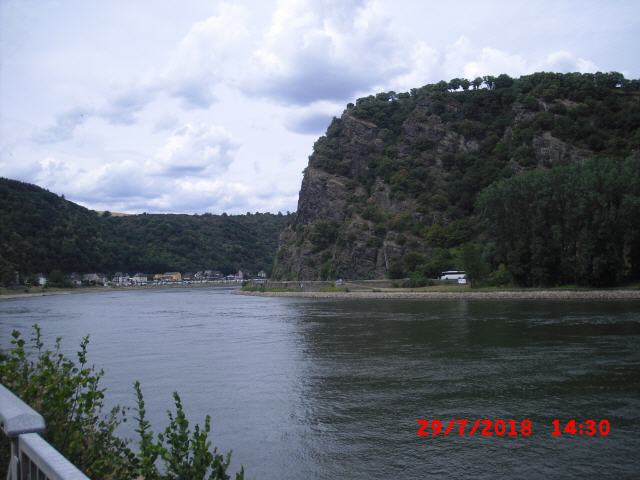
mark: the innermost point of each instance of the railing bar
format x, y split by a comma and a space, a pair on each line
48, 459
24, 471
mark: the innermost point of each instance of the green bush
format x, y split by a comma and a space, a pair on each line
416, 280
499, 277
395, 269
69, 397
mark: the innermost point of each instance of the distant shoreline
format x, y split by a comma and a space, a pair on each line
614, 294
76, 291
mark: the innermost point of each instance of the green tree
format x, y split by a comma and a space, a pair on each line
471, 260
56, 278
489, 81
455, 84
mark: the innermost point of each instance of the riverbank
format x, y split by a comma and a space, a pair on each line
530, 294
6, 294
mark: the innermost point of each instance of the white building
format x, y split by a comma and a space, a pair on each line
121, 279
139, 279
94, 279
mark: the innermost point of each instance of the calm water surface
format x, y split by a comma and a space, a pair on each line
302, 388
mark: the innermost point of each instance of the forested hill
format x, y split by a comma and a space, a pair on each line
532, 181
41, 232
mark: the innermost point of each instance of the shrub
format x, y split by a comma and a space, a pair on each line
416, 280
499, 277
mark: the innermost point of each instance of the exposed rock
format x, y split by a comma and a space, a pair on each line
552, 151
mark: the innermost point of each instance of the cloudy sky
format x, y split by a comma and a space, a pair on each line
201, 105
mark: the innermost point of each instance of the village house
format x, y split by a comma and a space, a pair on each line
217, 275
121, 279
75, 279
41, 279
213, 275
262, 274
94, 279
139, 279
172, 277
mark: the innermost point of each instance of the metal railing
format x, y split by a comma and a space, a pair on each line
32, 458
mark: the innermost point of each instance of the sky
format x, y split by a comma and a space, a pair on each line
213, 106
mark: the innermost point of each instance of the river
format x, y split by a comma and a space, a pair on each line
320, 389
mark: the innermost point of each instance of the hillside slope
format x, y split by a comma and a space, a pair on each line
41, 231
398, 185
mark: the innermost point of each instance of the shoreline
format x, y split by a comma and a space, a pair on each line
81, 290
533, 294
605, 295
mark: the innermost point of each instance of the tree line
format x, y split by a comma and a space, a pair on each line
41, 232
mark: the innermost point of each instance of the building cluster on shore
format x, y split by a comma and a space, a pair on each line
121, 279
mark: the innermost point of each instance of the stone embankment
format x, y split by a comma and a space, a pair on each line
465, 295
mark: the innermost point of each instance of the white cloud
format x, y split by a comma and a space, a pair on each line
324, 50
491, 61
192, 149
208, 53
563, 61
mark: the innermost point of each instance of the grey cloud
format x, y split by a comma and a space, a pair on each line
123, 107
316, 82
313, 123
194, 94
64, 126
120, 110
169, 122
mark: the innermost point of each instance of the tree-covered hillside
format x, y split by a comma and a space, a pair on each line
41, 232
535, 180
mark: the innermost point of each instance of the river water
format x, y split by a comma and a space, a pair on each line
317, 389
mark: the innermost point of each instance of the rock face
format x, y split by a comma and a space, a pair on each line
398, 174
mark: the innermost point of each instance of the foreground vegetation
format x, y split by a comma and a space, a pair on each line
69, 397
41, 232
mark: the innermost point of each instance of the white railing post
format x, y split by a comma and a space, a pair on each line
12, 470
22, 426
16, 418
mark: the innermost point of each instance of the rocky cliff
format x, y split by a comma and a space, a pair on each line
394, 181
